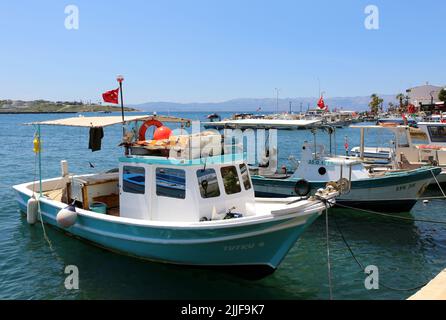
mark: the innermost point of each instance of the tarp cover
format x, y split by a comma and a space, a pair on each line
89, 122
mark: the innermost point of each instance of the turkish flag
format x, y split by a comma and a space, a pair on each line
321, 104
111, 96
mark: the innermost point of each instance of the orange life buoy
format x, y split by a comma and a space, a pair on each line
145, 126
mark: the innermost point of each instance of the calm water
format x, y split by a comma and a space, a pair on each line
407, 253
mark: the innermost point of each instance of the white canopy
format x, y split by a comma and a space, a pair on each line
263, 123
89, 122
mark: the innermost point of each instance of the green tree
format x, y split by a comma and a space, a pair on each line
391, 107
400, 97
442, 95
375, 103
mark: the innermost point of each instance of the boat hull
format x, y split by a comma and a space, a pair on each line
256, 249
393, 193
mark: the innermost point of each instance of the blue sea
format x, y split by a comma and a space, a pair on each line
407, 253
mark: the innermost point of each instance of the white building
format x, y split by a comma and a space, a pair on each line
424, 95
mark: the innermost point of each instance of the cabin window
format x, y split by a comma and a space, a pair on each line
171, 183
230, 180
245, 176
437, 133
134, 180
208, 183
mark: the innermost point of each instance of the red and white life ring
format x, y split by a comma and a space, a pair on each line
146, 125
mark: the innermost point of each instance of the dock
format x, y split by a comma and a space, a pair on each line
434, 290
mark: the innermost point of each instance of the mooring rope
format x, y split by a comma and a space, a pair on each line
45, 236
328, 252
438, 183
362, 267
390, 215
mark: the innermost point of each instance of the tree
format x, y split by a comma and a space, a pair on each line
391, 107
401, 97
375, 103
442, 95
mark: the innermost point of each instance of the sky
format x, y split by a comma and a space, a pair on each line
217, 50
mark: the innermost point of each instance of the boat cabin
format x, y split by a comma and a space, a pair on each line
435, 132
162, 189
403, 151
317, 165
172, 177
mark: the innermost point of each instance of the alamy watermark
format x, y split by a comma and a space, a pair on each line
371, 282
72, 279
371, 21
72, 18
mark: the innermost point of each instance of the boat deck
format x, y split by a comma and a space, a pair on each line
112, 201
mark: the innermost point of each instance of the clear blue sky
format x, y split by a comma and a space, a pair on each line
208, 50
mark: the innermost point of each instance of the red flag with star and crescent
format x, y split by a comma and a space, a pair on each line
321, 104
111, 96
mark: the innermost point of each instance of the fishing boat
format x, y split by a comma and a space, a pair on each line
403, 151
389, 191
193, 209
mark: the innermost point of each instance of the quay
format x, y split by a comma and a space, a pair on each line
434, 290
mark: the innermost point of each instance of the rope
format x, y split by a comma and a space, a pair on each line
328, 253
362, 267
45, 236
390, 215
438, 183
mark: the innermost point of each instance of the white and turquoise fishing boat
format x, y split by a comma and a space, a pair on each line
198, 211
390, 191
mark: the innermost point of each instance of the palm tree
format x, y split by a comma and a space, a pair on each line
401, 97
375, 103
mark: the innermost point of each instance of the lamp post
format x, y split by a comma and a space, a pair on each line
277, 100
432, 97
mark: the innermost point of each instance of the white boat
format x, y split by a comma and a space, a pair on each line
389, 191
200, 211
403, 152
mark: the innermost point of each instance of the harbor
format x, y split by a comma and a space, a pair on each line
225, 159
401, 244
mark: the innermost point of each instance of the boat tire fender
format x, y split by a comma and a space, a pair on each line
302, 188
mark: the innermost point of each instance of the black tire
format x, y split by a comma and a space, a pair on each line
302, 188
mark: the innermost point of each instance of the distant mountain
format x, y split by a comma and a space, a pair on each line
267, 104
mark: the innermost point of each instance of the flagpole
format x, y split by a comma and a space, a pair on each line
120, 80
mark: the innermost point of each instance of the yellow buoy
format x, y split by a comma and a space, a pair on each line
36, 143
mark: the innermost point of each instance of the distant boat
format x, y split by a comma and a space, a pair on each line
213, 117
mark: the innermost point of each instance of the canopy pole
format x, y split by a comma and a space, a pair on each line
362, 148
39, 150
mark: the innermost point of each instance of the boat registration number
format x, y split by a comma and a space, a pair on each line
405, 187
320, 163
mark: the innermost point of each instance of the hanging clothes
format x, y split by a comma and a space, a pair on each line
96, 135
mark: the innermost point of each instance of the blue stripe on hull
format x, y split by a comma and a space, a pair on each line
267, 250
